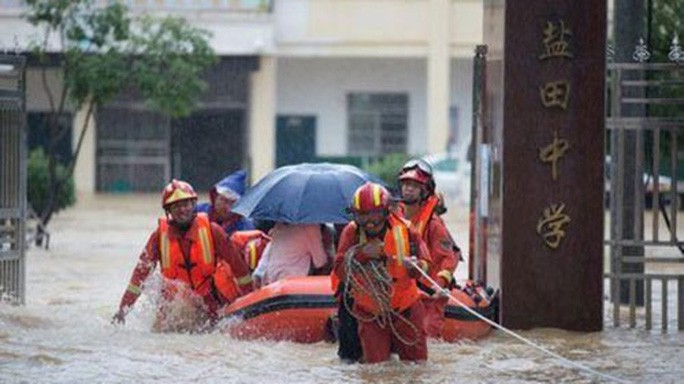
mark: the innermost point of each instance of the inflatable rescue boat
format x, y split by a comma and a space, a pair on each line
299, 309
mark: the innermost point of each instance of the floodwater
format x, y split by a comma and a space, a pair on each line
64, 335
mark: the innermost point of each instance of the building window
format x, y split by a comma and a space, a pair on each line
378, 123
132, 150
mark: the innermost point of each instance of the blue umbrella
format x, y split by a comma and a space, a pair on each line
304, 193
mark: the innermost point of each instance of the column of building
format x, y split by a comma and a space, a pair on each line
262, 111
438, 76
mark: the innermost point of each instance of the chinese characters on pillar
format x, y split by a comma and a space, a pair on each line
552, 152
554, 95
550, 225
555, 43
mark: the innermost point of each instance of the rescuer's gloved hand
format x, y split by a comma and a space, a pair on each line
372, 250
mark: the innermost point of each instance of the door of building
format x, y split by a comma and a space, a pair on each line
295, 139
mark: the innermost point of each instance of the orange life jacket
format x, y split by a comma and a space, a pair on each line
225, 282
202, 269
251, 245
420, 220
201, 263
397, 248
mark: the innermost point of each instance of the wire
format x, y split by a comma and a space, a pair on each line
529, 342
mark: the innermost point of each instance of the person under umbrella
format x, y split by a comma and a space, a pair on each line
300, 199
294, 250
308, 193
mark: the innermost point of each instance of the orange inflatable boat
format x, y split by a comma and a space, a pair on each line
298, 309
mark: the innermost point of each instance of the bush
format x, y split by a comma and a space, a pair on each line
38, 183
388, 167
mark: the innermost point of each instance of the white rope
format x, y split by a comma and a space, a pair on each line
568, 362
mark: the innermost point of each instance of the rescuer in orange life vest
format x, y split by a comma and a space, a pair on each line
376, 260
421, 205
201, 270
251, 245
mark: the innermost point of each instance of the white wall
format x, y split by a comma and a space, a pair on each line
372, 28
461, 98
318, 87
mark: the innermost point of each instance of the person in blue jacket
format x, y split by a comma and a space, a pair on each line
222, 197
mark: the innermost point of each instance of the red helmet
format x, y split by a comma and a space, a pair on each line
415, 175
369, 197
177, 190
420, 171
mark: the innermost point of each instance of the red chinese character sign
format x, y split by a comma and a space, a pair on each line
546, 108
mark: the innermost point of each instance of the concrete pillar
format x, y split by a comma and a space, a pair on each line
545, 106
84, 172
262, 110
438, 78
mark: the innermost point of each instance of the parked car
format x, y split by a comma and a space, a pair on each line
452, 177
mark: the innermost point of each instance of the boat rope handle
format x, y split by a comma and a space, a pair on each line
529, 342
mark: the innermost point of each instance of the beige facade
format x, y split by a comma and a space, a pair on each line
434, 31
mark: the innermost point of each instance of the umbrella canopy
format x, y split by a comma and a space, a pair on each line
304, 194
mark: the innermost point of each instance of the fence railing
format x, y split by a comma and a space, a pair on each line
646, 125
12, 179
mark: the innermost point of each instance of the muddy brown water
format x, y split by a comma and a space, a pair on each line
63, 333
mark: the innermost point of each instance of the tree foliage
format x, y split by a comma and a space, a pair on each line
666, 21
38, 183
179, 53
104, 51
387, 168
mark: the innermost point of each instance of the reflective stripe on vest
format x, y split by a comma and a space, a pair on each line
252, 254
201, 254
207, 245
419, 220
401, 246
251, 245
164, 243
244, 280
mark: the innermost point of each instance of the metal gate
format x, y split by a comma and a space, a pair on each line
644, 190
12, 179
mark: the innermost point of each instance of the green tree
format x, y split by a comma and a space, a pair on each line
387, 167
104, 51
38, 183
665, 19
664, 22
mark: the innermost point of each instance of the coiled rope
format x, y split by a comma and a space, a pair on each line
373, 279
529, 342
